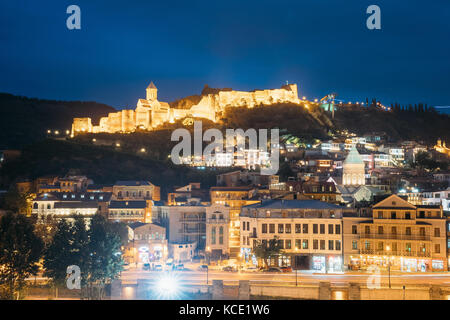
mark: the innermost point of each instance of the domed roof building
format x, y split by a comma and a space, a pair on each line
353, 169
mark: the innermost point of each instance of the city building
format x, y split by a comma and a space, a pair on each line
353, 169
147, 244
309, 232
130, 211
183, 223
65, 204
399, 236
235, 198
217, 232
136, 190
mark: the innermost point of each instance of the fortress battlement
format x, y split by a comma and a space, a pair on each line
151, 113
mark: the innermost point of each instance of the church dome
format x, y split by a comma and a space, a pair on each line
353, 157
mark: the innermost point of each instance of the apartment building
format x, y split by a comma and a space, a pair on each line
309, 232
217, 231
235, 198
136, 190
399, 235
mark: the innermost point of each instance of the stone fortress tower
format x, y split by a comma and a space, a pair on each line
151, 113
353, 169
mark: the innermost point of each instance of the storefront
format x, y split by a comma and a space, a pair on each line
318, 263
395, 263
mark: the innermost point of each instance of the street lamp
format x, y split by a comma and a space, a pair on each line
388, 248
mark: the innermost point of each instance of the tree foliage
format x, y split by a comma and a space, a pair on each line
266, 250
20, 251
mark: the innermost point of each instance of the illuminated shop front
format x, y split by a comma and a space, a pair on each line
404, 264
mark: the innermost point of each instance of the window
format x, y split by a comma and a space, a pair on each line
272, 228
298, 243
322, 229
288, 228
315, 244
337, 229
394, 230
330, 229
287, 244
380, 246
422, 231
408, 231
408, 246
221, 235
367, 229
280, 228
380, 214
305, 244
380, 230
322, 244
337, 245
355, 245
264, 228
394, 247
305, 228
437, 232
298, 228
422, 214
213, 235
330, 245
437, 248
315, 228
407, 215
367, 245
393, 215
281, 244
354, 229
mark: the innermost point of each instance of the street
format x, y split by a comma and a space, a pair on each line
289, 279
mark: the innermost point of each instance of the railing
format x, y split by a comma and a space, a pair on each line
199, 220
404, 253
218, 220
394, 236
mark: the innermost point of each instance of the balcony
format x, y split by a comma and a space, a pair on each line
403, 253
218, 221
394, 236
193, 220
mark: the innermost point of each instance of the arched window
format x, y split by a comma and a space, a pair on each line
35, 205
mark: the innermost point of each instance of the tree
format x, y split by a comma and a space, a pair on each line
105, 261
20, 251
59, 254
16, 201
265, 250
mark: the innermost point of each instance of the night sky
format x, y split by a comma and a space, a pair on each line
322, 45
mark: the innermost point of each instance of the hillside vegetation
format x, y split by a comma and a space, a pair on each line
25, 120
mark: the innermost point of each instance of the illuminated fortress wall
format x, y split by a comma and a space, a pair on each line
151, 113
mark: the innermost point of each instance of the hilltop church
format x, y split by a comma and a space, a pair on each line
151, 113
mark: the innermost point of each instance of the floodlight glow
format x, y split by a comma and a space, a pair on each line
168, 286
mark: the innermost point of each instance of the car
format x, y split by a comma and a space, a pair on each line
251, 269
202, 267
229, 269
286, 269
158, 267
273, 269
146, 266
179, 266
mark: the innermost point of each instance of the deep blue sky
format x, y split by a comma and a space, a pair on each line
322, 45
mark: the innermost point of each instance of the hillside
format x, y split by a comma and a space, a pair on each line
24, 120
102, 164
398, 125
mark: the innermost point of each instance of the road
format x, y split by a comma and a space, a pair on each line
199, 278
